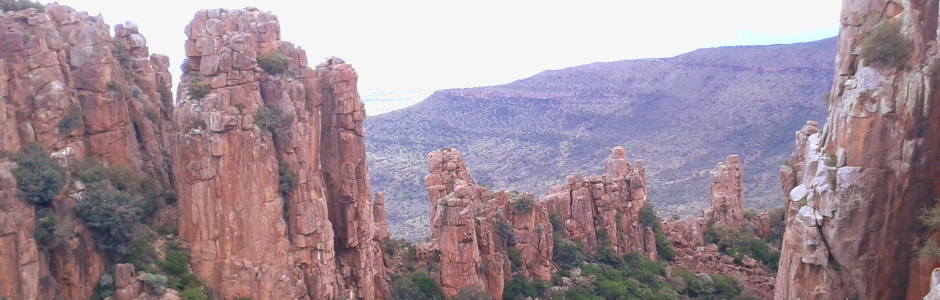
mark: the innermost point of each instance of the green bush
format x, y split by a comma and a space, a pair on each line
520, 288
473, 292
272, 118
287, 179
194, 123
193, 294
156, 282
114, 215
521, 203
18, 5
603, 238
515, 257
38, 177
663, 246
166, 96
505, 231
727, 236
71, 120
416, 286
567, 254
51, 231
558, 224
275, 62
176, 263
885, 46
198, 89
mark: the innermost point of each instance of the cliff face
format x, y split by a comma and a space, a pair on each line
855, 189
472, 229
611, 203
253, 230
63, 67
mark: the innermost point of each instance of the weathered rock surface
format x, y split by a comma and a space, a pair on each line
248, 236
611, 203
855, 189
688, 235
58, 65
726, 193
472, 228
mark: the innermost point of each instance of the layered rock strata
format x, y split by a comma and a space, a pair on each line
67, 85
472, 228
727, 193
855, 189
254, 231
609, 203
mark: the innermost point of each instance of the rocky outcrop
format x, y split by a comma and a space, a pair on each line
855, 189
727, 193
67, 85
610, 203
262, 218
472, 228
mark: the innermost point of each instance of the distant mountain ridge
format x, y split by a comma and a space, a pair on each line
681, 115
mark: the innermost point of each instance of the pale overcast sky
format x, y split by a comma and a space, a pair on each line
420, 46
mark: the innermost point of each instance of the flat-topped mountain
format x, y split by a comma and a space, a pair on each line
678, 114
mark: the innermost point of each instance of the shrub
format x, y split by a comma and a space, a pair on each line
927, 251
557, 222
521, 203
931, 217
520, 287
777, 222
417, 286
18, 5
272, 118
52, 231
287, 179
750, 214
603, 238
71, 120
515, 257
504, 230
663, 246
193, 294
885, 46
166, 96
727, 236
112, 214
567, 254
473, 292
176, 263
39, 178
726, 287
275, 62
194, 123
198, 89
392, 246
156, 282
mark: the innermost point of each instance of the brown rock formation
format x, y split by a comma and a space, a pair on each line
472, 228
58, 65
611, 203
852, 219
726, 193
251, 233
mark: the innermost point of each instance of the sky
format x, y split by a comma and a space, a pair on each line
404, 50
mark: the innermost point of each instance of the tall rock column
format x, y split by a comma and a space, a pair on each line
853, 219
727, 193
472, 228
611, 203
345, 174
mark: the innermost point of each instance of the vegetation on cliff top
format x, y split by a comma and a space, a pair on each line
17, 5
275, 62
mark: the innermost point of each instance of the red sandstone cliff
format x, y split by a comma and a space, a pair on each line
258, 215
472, 228
855, 189
611, 203
64, 64
249, 236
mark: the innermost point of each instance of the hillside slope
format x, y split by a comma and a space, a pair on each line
678, 114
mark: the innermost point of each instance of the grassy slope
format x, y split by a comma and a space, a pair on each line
681, 115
